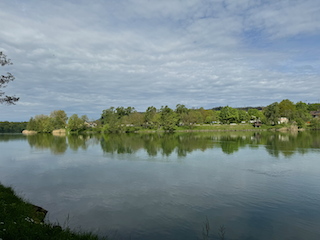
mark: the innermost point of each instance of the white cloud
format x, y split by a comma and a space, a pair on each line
88, 57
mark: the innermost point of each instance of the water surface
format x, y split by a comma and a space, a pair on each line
162, 186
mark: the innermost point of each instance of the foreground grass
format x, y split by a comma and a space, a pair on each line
20, 220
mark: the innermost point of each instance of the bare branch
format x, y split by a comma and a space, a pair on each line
4, 80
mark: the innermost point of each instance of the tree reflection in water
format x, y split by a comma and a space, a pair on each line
166, 144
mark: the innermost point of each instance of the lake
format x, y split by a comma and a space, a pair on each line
258, 185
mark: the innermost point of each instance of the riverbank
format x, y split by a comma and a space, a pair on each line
19, 219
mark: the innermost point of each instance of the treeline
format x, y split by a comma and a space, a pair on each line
45, 124
122, 119
12, 127
127, 119
58, 119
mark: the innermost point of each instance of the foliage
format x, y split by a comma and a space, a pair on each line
315, 123
45, 124
314, 107
229, 115
4, 80
190, 118
272, 114
255, 114
149, 117
59, 118
300, 123
12, 127
286, 108
243, 115
75, 123
168, 118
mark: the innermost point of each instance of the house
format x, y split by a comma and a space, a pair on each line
257, 124
283, 120
315, 114
90, 124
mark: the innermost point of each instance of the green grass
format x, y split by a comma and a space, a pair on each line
20, 220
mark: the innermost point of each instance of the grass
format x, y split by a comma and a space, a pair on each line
21, 220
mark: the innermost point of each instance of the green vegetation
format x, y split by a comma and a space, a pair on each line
22, 220
122, 119
45, 124
12, 127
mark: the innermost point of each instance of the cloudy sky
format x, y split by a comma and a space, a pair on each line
86, 56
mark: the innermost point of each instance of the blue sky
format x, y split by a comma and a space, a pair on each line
86, 56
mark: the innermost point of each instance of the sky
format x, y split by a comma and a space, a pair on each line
86, 56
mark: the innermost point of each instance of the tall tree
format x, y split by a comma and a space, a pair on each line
108, 115
286, 108
272, 113
168, 118
302, 112
149, 116
229, 115
75, 123
59, 118
4, 80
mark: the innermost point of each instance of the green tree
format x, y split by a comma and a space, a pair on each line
300, 123
229, 115
315, 123
107, 115
180, 111
32, 125
243, 115
168, 118
191, 118
149, 117
314, 107
75, 123
255, 114
272, 113
41, 123
286, 108
4, 80
136, 119
302, 112
59, 118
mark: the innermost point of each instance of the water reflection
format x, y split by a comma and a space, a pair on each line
56, 144
181, 144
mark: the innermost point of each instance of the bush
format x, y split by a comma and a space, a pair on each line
315, 123
300, 123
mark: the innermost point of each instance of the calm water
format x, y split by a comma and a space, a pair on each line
258, 185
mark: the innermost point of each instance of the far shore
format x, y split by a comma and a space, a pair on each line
198, 128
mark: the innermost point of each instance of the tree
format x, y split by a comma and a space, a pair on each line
136, 119
108, 115
272, 113
149, 116
302, 112
75, 123
32, 125
229, 115
59, 118
314, 107
191, 118
286, 108
168, 118
180, 111
254, 114
243, 115
4, 80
